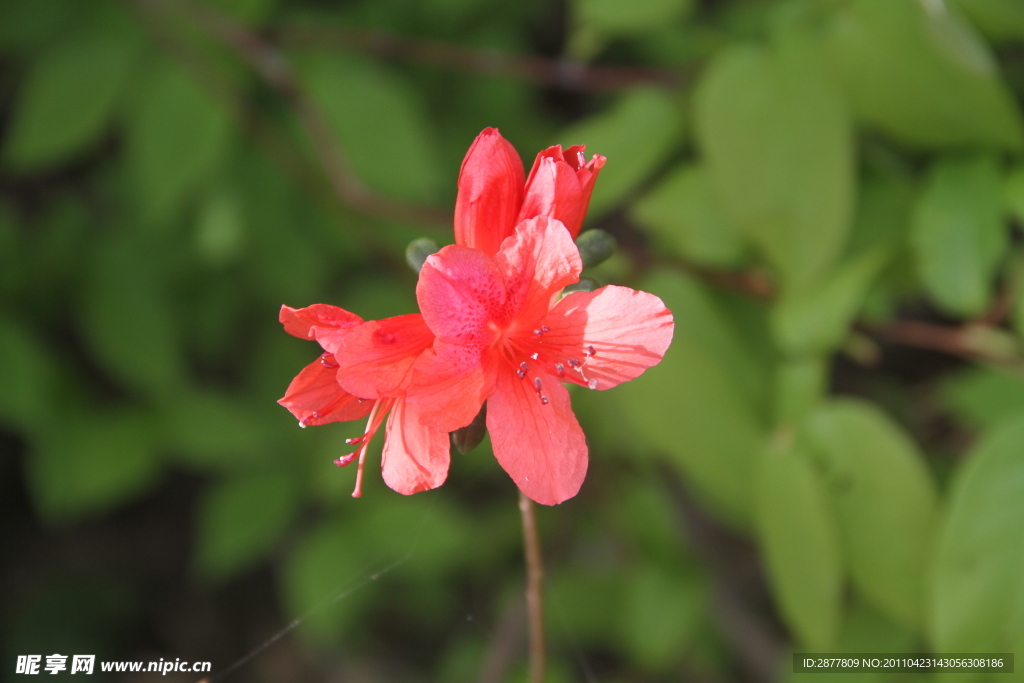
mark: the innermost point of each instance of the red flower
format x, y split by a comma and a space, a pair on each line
367, 370
503, 335
492, 199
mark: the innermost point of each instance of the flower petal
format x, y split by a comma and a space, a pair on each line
451, 383
314, 397
490, 193
375, 359
536, 263
541, 446
300, 322
460, 293
628, 330
553, 190
415, 457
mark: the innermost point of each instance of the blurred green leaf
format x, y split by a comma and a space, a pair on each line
999, 20
614, 18
919, 73
637, 133
210, 430
241, 519
325, 580
817, 320
219, 228
683, 213
800, 541
977, 597
885, 502
984, 396
177, 138
380, 124
698, 407
67, 99
778, 144
284, 262
1013, 193
801, 382
662, 610
882, 219
249, 11
958, 232
126, 318
27, 372
31, 24
90, 462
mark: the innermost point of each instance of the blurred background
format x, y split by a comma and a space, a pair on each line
829, 194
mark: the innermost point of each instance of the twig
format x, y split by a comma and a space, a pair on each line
534, 588
275, 70
970, 342
556, 73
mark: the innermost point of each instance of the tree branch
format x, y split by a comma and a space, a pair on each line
273, 68
554, 73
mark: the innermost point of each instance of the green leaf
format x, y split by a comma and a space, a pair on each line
778, 144
999, 20
126, 318
661, 613
801, 382
958, 235
700, 405
885, 502
637, 133
27, 372
325, 579
66, 102
220, 228
380, 124
241, 519
90, 462
683, 213
177, 138
208, 430
800, 542
984, 396
1013, 193
977, 597
249, 11
817, 320
614, 18
921, 75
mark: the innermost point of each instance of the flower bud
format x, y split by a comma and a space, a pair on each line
418, 251
595, 246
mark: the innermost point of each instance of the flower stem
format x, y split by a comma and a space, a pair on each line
534, 588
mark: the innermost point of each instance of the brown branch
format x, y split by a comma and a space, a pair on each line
971, 342
271, 65
534, 588
555, 73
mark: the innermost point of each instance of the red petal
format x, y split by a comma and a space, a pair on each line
541, 446
553, 190
301, 321
628, 330
587, 177
451, 383
461, 293
314, 397
375, 358
415, 457
490, 193
536, 263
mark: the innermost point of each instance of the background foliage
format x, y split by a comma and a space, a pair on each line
829, 194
